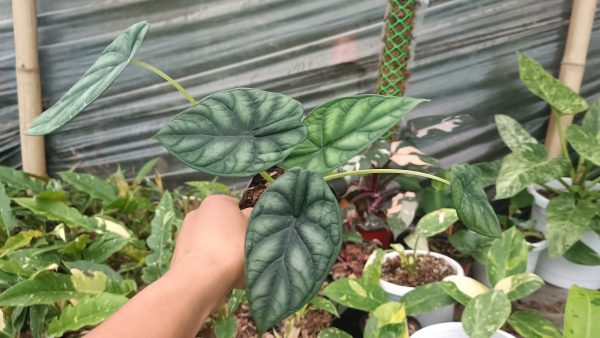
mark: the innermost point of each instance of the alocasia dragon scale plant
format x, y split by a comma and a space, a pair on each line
295, 232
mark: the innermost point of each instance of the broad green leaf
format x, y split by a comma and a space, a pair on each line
46, 289
586, 144
471, 243
485, 314
532, 325
356, 293
562, 99
145, 170
519, 285
582, 313
426, 298
526, 167
20, 240
372, 270
236, 132
580, 253
104, 247
324, 304
94, 284
471, 203
93, 83
342, 128
591, 120
487, 172
466, 288
225, 328
91, 267
507, 255
513, 134
58, 211
88, 311
90, 184
567, 222
37, 320
436, 221
293, 238
332, 332
8, 219
19, 180
160, 240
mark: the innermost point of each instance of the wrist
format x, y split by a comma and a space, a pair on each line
224, 270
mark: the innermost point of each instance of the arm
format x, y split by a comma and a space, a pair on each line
207, 263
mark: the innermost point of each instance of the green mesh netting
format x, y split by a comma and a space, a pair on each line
393, 67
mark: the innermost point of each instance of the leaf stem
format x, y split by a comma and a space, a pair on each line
266, 176
167, 78
563, 143
385, 171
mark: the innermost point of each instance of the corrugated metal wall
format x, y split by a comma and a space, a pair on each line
312, 50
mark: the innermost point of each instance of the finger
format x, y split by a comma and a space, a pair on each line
247, 212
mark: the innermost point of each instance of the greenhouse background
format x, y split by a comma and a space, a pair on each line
464, 61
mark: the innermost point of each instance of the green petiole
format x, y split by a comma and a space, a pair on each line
167, 78
385, 171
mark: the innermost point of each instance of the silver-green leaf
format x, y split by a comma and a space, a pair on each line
567, 222
293, 238
93, 83
237, 132
585, 143
591, 120
513, 134
342, 128
562, 99
485, 314
507, 255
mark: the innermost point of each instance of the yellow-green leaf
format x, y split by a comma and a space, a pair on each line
582, 313
436, 221
519, 285
485, 314
532, 325
507, 256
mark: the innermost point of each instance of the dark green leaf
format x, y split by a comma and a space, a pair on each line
293, 238
582, 313
342, 128
356, 293
507, 255
487, 172
18, 180
532, 325
160, 240
93, 83
237, 132
567, 222
104, 247
519, 285
580, 253
58, 211
426, 298
46, 289
562, 99
585, 143
37, 320
513, 134
526, 167
436, 221
8, 219
90, 184
469, 242
471, 203
485, 314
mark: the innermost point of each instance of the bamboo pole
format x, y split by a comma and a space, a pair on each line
572, 65
29, 91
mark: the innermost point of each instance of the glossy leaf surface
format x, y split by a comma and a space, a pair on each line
237, 132
93, 83
581, 253
293, 238
519, 285
485, 314
532, 325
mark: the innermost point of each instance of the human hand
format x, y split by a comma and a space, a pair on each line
213, 234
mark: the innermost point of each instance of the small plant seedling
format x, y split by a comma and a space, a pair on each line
295, 231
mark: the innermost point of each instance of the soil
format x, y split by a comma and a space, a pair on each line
429, 269
352, 259
547, 194
256, 188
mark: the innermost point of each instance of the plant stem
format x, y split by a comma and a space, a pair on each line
594, 181
547, 188
385, 171
166, 78
565, 184
266, 176
563, 143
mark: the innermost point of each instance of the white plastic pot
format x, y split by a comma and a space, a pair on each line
479, 271
559, 271
395, 291
451, 330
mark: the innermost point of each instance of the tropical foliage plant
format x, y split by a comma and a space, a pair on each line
573, 210
295, 230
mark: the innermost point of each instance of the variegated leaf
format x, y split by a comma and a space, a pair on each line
485, 314
519, 285
507, 255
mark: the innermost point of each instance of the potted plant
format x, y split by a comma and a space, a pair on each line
294, 234
565, 195
451, 330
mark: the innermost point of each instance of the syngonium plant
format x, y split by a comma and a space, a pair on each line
295, 231
574, 208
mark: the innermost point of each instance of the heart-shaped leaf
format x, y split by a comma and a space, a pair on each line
562, 99
93, 83
582, 313
436, 221
237, 132
471, 203
342, 128
532, 325
519, 285
585, 143
567, 222
485, 314
512, 133
293, 238
507, 255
